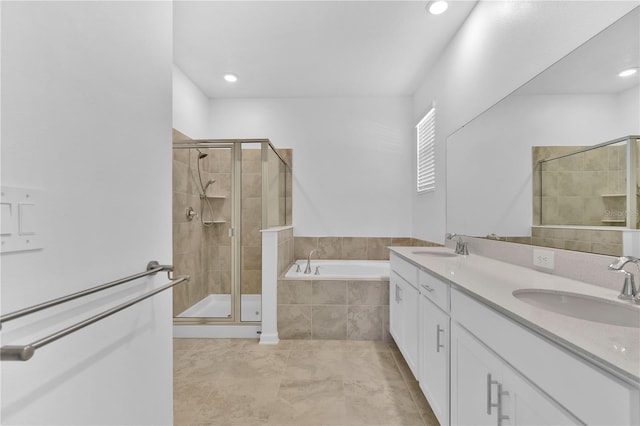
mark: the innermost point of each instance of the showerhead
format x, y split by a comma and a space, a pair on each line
211, 181
201, 154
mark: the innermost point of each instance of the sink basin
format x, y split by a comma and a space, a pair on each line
582, 306
434, 253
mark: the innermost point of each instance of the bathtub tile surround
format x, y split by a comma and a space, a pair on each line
333, 309
338, 309
352, 248
301, 382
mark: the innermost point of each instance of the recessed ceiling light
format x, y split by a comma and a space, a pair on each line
438, 7
628, 72
231, 78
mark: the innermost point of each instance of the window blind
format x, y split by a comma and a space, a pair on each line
426, 136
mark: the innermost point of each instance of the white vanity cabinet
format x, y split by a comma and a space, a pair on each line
532, 380
434, 344
478, 364
486, 391
403, 310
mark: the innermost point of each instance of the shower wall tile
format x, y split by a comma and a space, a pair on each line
252, 211
590, 176
251, 258
180, 177
252, 161
251, 236
180, 299
251, 282
251, 185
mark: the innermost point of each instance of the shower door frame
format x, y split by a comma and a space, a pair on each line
236, 220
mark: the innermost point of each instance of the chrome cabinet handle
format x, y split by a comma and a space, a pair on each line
398, 294
501, 417
489, 384
438, 331
426, 287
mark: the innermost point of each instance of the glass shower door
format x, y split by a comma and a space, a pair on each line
203, 212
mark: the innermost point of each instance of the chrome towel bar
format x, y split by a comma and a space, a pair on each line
153, 267
26, 352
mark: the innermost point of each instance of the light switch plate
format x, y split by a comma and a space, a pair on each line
22, 219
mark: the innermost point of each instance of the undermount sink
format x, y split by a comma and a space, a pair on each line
582, 306
435, 253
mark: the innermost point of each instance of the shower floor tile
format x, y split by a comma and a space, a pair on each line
297, 382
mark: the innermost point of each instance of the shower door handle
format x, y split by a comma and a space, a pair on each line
231, 232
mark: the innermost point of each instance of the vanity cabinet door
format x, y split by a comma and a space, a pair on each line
487, 391
524, 404
434, 358
395, 309
403, 319
410, 306
475, 375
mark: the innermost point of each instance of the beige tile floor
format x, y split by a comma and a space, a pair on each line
297, 382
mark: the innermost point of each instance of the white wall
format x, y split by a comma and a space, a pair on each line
501, 46
489, 164
86, 116
190, 106
350, 158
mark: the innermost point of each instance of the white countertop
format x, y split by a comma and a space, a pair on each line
614, 348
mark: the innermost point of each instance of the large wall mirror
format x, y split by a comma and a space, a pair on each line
579, 101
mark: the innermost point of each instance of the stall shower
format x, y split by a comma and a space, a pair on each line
224, 193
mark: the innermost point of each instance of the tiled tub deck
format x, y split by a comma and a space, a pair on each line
333, 309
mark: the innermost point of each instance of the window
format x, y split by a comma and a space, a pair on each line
426, 136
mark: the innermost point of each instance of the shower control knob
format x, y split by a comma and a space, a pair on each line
191, 213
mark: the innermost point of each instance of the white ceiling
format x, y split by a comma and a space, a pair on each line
594, 66
310, 48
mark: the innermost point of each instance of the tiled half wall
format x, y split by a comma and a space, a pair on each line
338, 309
352, 248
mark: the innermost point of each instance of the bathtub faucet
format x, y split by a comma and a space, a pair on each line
307, 270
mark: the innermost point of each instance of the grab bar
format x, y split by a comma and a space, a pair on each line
26, 352
153, 267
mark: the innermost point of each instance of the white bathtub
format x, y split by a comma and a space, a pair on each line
341, 270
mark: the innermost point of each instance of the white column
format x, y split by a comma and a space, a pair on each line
269, 334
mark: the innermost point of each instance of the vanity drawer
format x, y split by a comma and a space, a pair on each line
434, 289
405, 269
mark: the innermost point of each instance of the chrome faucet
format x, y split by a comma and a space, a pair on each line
461, 246
629, 291
307, 270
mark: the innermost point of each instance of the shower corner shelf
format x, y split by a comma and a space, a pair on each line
215, 222
613, 195
218, 197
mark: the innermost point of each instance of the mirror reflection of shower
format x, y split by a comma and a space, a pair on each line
204, 200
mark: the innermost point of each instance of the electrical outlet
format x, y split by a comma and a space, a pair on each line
543, 258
